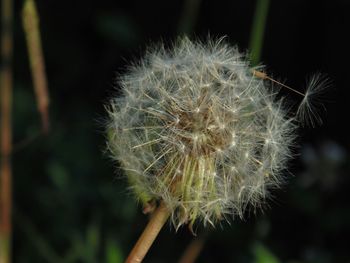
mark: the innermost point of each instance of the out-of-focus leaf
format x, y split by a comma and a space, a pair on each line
264, 255
113, 252
58, 174
93, 237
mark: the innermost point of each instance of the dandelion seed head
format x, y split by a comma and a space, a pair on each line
196, 129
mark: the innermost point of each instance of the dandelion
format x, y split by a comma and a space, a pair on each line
198, 132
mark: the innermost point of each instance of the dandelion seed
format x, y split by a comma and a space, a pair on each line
233, 143
309, 108
233, 169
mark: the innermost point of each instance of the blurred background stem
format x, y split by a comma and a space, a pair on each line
257, 31
30, 19
6, 133
189, 16
193, 250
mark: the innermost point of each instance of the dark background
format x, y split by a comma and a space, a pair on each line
69, 203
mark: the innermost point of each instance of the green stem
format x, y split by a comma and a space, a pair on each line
258, 29
189, 17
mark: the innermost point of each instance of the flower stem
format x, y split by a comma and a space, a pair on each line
258, 29
30, 19
149, 234
193, 250
6, 130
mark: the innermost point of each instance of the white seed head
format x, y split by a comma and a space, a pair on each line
196, 129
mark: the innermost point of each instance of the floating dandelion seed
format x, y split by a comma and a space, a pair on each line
308, 111
197, 129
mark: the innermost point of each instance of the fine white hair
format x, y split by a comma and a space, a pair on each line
196, 129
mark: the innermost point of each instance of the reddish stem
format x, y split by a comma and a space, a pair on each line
158, 219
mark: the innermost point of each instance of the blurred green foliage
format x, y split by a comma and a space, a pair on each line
263, 255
